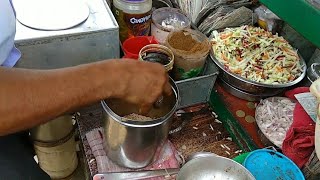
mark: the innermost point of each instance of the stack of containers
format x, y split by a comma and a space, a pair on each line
55, 147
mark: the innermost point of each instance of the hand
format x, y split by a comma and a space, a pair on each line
141, 83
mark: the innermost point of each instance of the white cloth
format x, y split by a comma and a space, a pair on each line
9, 55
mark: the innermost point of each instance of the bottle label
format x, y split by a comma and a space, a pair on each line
131, 25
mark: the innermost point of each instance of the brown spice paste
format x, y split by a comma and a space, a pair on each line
185, 42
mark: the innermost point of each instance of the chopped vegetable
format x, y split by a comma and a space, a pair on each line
257, 55
274, 117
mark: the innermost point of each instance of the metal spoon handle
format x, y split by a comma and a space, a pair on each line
134, 175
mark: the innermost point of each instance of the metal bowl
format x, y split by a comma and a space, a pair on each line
313, 72
253, 86
245, 95
213, 167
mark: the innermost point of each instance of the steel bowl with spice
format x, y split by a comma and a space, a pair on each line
255, 61
131, 140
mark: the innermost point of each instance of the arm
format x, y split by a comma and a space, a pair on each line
32, 97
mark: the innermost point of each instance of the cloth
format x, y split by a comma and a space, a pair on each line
9, 54
299, 142
166, 157
16, 159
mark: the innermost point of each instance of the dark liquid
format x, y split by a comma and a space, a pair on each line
157, 57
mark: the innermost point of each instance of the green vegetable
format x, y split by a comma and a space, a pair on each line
189, 74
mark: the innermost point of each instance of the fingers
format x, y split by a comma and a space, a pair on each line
145, 108
167, 89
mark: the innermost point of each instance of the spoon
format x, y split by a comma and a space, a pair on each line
134, 175
143, 174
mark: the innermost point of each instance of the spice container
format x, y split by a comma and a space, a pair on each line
132, 46
159, 54
133, 17
165, 20
190, 49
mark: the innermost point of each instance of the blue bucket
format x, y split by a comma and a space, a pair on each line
266, 164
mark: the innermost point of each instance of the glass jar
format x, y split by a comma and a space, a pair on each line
133, 17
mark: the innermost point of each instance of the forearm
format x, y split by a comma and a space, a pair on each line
32, 97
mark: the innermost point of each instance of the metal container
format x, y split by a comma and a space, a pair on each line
58, 160
53, 130
213, 167
245, 95
95, 39
253, 87
313, 72
198, 89
133, 143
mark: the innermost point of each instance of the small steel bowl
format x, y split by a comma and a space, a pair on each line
313, 72
213, 167
254, 87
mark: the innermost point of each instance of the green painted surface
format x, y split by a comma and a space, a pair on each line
300, 15
238, 134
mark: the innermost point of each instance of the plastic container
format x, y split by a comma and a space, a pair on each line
157, 48
241, 158
190, 49
132, 46
133, 17
165, 20
267, 164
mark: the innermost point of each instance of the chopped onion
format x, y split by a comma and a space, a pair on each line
274, 117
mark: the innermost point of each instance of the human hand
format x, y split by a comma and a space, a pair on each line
141, 83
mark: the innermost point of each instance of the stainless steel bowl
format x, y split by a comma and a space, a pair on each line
245, 95
213, 167
132, 143
313, 72
252, 86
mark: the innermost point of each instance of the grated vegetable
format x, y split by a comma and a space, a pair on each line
257, 55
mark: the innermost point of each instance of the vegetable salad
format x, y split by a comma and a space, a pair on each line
257, 55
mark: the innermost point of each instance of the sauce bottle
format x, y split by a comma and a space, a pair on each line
133, 17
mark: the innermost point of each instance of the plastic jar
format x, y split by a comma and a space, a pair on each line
133, 17
165, 20
190, 49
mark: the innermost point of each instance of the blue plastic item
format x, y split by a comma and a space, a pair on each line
266, 164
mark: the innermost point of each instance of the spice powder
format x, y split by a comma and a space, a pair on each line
185, 42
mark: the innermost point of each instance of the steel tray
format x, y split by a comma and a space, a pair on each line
198, 89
